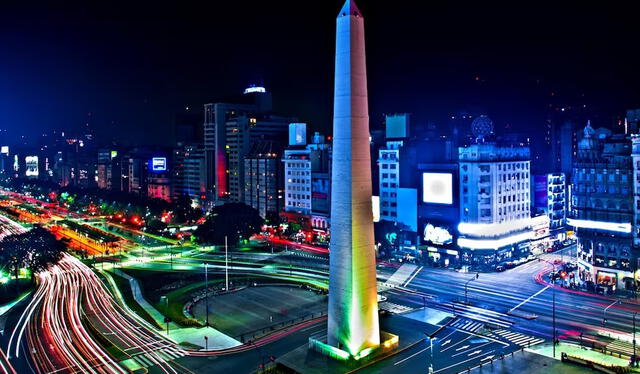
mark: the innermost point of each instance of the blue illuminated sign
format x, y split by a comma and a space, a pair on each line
159, 164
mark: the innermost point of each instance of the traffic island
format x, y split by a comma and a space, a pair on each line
318, 357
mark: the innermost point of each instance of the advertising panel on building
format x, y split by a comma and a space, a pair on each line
31, 166
158, 164
437, 188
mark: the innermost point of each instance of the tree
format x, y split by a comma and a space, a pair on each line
184, 211
155, 226
237, 221
35, 250
386, 234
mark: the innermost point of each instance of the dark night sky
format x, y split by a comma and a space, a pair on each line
132, 67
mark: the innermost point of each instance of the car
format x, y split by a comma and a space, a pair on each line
549, 250
500, 268
510, 265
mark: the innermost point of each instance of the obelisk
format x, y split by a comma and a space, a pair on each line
353, 302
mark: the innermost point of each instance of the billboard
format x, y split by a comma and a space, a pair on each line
437, 235
437, 188
540, 191
320, 189
31, 166
5, 150
158, 164
297, 133
375, 205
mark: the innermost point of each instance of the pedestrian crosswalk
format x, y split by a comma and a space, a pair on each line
467, 325
148, 359
486, 316
401, 277
517, 338
621, 346
394, 308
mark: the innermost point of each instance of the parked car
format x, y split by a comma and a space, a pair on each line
500, 268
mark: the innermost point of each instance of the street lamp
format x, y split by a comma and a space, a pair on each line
604, 313
553, 282
431, 339
635, 361
466, 290
206, 294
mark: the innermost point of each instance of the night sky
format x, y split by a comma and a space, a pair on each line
127, 69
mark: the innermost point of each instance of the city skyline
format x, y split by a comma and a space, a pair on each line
472, 206
426, 68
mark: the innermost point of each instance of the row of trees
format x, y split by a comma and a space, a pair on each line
236, 221
35, 250
106, 202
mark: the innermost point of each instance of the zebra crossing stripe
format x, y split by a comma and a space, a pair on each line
519, 339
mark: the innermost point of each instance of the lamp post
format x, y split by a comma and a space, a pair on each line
604, 313
635, 362
431, 354
466, 290
553, 282
226, 265
206, 294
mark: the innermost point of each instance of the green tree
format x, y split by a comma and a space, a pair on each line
386, 234
35, 250
155, 226
236, 221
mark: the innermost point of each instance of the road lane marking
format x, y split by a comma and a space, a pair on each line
453, 345
462, 362
414, 275
478, 350
413, 355
528, 299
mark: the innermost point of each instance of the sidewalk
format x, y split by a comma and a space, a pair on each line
539, 278
527, 362
582, 353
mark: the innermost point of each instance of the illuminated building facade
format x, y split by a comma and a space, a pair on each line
353, 326
189, 173
307, 197
603, 210
263, 188
495, 211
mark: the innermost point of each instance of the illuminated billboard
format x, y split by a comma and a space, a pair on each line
540, 193
31, 166
320, 192
297, 133
375, 202
159, 164
5, 150
437, 235
437, 188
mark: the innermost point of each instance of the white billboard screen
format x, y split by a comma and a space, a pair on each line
437, 188
32, 166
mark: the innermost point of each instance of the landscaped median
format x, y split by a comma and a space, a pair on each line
270, 312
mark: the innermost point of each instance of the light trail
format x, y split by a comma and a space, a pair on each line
71, 306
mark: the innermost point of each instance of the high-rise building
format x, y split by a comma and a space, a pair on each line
307, 195
568, 148
189, 173
603, 210
256, 100
495, 211
548, 197
263, 189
